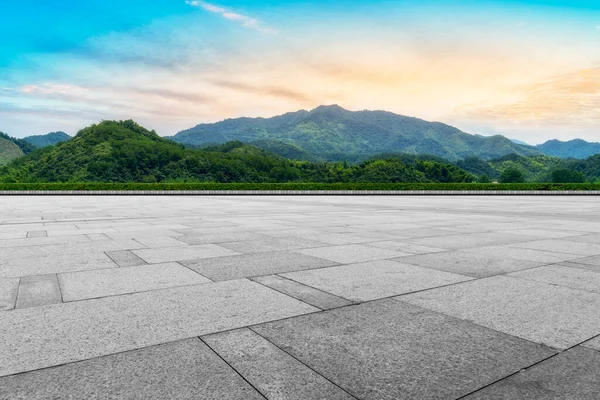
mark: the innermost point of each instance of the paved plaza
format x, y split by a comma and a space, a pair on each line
299, 297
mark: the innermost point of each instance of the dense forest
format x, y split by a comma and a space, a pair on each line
124, 151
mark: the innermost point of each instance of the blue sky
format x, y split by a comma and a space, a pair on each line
526, 69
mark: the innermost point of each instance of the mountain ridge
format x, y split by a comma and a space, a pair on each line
329, 130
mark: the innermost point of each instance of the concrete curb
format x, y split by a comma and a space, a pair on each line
300, 192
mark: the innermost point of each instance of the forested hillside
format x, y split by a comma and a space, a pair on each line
123, 151
334, 134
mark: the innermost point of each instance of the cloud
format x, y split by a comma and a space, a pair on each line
275, 91
244, 20
569, 101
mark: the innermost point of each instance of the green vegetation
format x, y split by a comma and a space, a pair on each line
576, 148
512, 175
126, 152
49, 139
297, 186
9, 151
25, 146
564, 175
331, 133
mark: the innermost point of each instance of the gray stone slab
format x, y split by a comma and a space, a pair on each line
475, 265
593, 343
37, 234
186, 369
37, 239
40, 290
57, 263
351, 253
544, 233
195, 252
98, 236
110, 282
256, 264
593, 261
390, 350
522, 254
8, 293
593, 238
569, 375
563, 246
277, 375
555, 316
405, 247
272, 244
374, 279
470, 240
47, 336
156, 241
575, 278
199, 238
125, 258
307, 294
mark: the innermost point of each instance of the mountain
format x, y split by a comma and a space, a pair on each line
517, 141
25, 146
123, 151
576, 148
49, 139
333, 133
8, 151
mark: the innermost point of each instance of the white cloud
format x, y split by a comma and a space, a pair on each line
244, 20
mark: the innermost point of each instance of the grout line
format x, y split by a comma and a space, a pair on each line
286, 294
233, 368
301, 362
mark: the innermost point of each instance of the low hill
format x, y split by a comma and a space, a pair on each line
25, 146
8, 151
333, 133
576, 148
123, 151
49, 139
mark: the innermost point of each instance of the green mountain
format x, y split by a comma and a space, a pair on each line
8, 151
576, 148
49, 139
123, 151
25, 146
333, 133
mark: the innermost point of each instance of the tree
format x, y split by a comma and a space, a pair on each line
484, 179
512, 175
564, 175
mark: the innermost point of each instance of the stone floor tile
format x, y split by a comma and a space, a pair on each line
555, 316
37, 234
205, 238
351, 253
475, 265
272, 244
39, 290
159, 241
194, 252
85, 329
186, 369
569, 375
518, 253
374, 279
125, 258
593, 343
255, 264
593, 261
393, 350
563, 246
405, 247
110, 282
8, 293
307, 294
575, 278
277, 375
55, 264
466, 241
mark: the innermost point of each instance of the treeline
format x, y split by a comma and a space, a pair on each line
124, 151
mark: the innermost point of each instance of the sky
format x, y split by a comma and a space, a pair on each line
529, 70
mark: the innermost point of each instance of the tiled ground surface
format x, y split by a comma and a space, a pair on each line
299, 297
